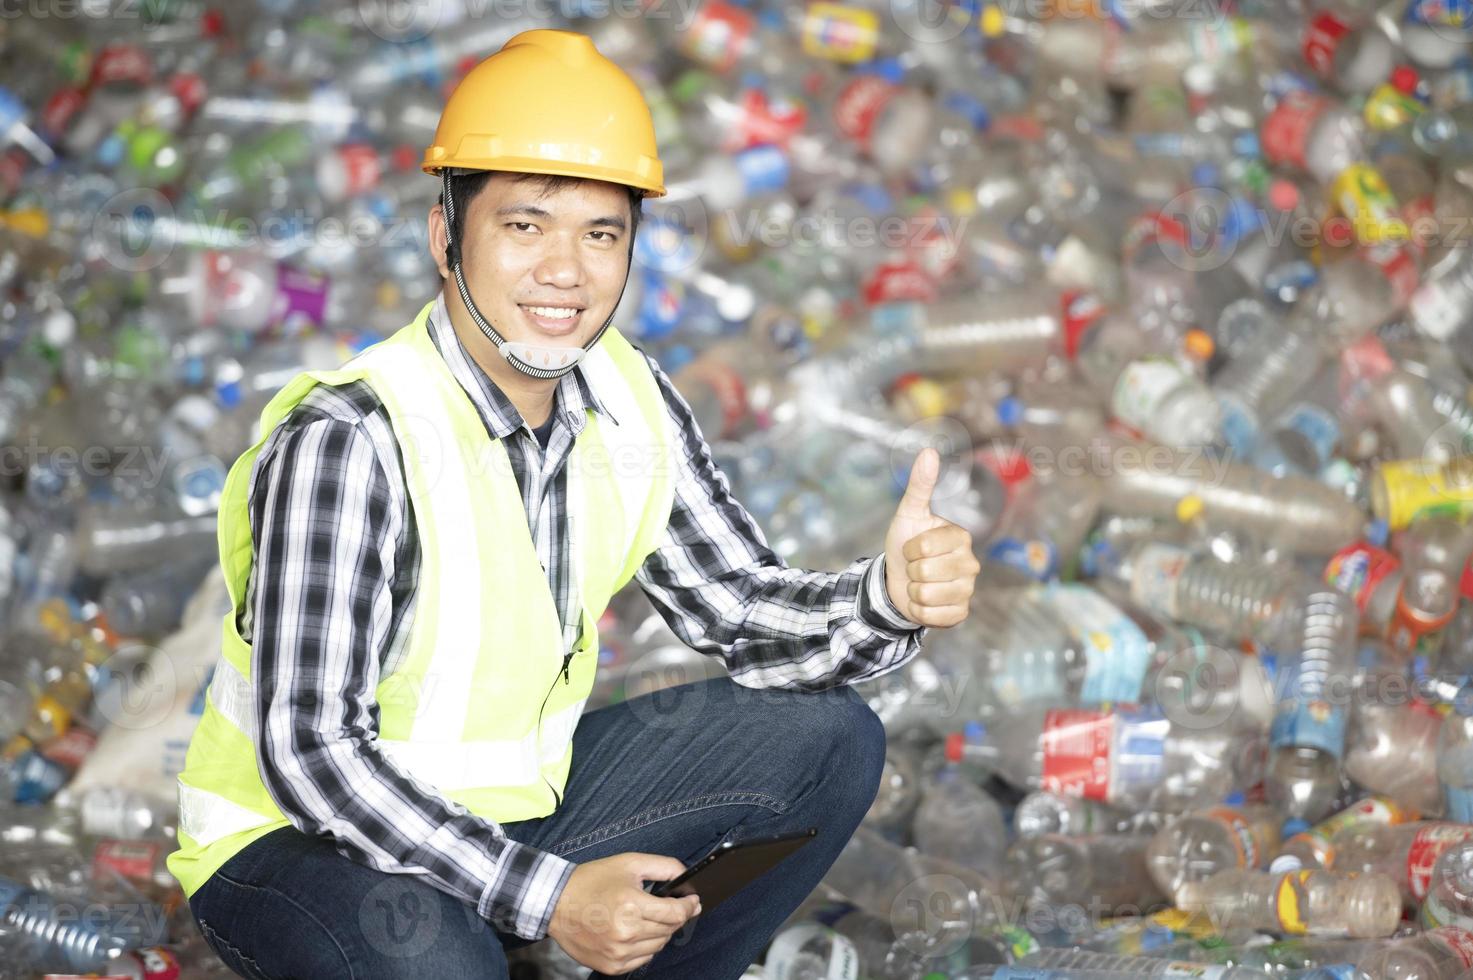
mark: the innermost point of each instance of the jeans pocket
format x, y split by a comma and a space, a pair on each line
229, 954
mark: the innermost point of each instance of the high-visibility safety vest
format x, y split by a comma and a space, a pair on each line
486, 701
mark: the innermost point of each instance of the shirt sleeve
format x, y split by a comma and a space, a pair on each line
325, 526
725, 592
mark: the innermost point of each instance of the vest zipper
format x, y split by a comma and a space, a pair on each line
567, 659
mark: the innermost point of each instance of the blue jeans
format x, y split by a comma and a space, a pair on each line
674, 773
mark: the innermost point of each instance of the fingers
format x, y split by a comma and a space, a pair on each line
922, 483
937, 594
667, 911
651, 867
937, 541
940, 616
944, 568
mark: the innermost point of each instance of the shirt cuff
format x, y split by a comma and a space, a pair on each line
522, 899
876, 609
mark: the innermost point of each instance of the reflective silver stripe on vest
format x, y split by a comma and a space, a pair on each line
451, 765
207, 817
230, 693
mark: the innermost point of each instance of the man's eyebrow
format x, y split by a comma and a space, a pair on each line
614, 221
530, 210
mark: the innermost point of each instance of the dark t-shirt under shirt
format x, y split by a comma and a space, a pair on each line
543, 432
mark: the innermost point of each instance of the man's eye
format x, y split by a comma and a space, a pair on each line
522, 225
608, 235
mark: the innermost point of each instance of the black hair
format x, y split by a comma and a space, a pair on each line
465, 187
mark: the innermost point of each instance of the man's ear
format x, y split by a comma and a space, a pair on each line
439, 238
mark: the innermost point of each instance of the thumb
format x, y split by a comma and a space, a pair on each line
653, 867
924, 473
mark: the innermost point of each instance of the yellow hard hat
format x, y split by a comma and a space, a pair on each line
549, 103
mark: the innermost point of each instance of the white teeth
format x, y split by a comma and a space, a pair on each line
552, 312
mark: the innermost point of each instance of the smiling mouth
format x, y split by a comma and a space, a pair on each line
555, 321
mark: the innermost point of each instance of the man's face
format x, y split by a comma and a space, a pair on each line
546, 269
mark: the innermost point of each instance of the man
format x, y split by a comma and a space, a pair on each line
393, 775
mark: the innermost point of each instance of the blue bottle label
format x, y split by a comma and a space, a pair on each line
1116, 650
1318, 427
1311, 724
1441, 13
1036, 559
764, 168
1459, 800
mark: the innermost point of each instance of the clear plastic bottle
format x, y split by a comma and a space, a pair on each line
1042, 528
151, 604
958, 821
1110, 869
1303, 438
1231, 599
1295, 903
1315, 680
1404, 409
1297, 514
1050, 416
1391, 744
899, 794
60, 941
1434, 554
1125, 757
1371, 575
1406, 852
1147, 390
1103, 964
1200, 844
1313, 847
1042, 812
112, 540
1455, 759
1449, 899
887, 880
1349, 51
1444, 953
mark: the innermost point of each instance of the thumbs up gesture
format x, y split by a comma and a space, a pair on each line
930, 570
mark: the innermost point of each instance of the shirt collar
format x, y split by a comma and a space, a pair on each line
574, 394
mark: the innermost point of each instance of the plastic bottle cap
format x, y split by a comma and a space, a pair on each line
1404, 79
1377, 532
974, 731
1206, 174
1198, 345
1189, 508
954, 743
1294, 825
993, 22
1283, 864
1283, 195
1010, 411
1235, 798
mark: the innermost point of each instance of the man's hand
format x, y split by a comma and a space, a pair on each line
605, 919
929, 566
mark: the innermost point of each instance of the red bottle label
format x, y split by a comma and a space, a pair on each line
1427, 847
1285, 134
1076, 752
1325, 34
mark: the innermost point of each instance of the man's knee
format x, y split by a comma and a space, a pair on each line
406, 928
844, 737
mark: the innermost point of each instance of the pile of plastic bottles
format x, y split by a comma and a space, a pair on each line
1181, 289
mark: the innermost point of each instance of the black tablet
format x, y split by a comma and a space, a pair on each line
730, 867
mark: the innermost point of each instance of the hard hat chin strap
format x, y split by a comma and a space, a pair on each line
533, 360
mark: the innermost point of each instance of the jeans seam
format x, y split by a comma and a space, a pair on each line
347, 960
647, 817
211, 933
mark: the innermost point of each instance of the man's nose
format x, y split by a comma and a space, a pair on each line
560, 266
